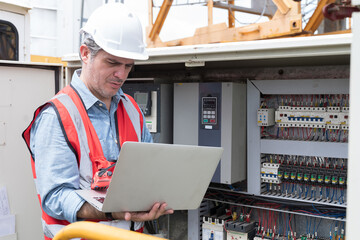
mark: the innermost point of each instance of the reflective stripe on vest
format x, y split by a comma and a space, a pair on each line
84, 142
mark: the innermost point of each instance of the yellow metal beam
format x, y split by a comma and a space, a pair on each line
97, 231
46, 59
160, 19
317, 17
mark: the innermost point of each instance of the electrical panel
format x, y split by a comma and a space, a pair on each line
155, 101
297, 162
214, 114
300, 136
312, 118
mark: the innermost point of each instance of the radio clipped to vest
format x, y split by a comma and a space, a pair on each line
102, 178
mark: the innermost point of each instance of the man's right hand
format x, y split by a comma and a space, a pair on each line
156, 211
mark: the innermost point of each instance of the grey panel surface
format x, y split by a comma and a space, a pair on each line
24, 88
353, 220
186, 113
309, 148
194, 224
311, 86
233, 132
166, 113
253, 140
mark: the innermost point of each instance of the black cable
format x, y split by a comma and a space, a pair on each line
150, 228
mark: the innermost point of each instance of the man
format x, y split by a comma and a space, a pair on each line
80, 131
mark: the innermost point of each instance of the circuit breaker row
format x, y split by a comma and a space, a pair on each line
277, 173
262, 224
325, 181
308, 117
223, 228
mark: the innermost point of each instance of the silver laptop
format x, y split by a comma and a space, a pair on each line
147, 173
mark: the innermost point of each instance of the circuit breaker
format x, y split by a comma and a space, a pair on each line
214, 114
213, 229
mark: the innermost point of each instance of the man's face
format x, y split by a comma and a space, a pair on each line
105, 74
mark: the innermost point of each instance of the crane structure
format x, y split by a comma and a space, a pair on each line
285, 21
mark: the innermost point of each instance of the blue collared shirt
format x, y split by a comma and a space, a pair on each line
56, 166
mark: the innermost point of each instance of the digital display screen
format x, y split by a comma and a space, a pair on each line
141, 98
209, 103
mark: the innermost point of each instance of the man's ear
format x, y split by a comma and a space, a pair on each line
84, 53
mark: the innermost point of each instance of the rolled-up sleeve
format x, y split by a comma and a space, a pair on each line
57, 172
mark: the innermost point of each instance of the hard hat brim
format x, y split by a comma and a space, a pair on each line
126, 54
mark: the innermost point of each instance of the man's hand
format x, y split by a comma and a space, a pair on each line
89, 212
156, 211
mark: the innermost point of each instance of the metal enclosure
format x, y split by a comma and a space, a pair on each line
260, 146
23, 87
229, 131
354, 151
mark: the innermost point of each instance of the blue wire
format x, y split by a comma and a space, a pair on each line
327, 135
327, 192
307, 224
288, 187
317, 228
340, 199
321, 191
307, 190
332, 197
280, 225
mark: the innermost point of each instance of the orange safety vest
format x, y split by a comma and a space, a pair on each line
84, 142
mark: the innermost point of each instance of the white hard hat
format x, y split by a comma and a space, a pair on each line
117, 30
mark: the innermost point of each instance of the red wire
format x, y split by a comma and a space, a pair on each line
250, 211
303, 137
270, 223
292, 234
309, 134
